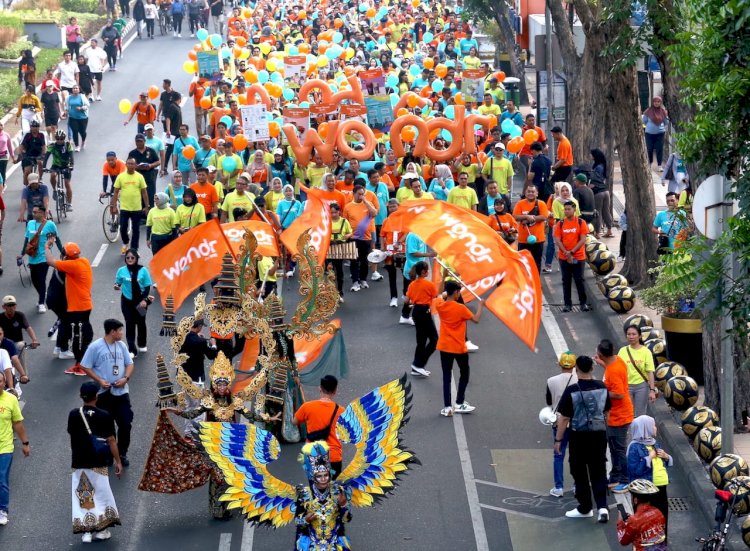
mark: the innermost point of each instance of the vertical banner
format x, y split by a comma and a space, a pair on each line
209, 65
373, 82
255, 122
379, 112
472, 84
294, 71
299, 118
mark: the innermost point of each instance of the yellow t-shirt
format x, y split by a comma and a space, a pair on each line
265, 273
189, 217
130, 186
472, 170
659, 475
233, 200
10, 413
465, 197
315, 175
272, 200
161, 221
472, 62
219, 190
493, 109
232, 181
643, 359
499, 169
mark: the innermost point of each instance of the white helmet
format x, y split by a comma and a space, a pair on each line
376, 256
547, 416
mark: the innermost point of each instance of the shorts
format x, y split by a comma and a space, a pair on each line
66, 172
66, 89
97, 76
29, 161
51, 120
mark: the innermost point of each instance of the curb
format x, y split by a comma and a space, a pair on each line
667, 421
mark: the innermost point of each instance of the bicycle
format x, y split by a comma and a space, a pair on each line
165, 22
23, 273
111, 221
59, 193
726, 500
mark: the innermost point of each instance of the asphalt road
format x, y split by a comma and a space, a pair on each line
484, 477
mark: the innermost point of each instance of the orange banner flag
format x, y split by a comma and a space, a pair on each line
317, 218
188, 262
480, 257
263, 232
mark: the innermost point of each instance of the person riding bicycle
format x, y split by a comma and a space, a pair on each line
62, 159
165, 15
645, 528
29, 108
31, 150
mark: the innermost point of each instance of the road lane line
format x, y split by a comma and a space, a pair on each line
248, 533
225, 542
553, 331
100, 255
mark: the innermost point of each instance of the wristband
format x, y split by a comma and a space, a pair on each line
25, 443
558, 441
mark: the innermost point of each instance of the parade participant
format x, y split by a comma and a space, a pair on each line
190, 213
531, 215
147, 163
157, 144
29, 109
646, 527
538, 172
96, 57
206, 193
341, 232
176, 189
61, 152
640, 362
361, 215
504, 224
13, 322
393, 246
35, 194
109, 364
144, 112
525, 155
463, 195
179, 161
419, 295
556, 386
135, 283
39, 231
31, 151
111, 169
130, 189
6, 153
196, 347
11, 421
570, 238
564, 163
52, 107
93, 448
77, 108
161, 224
442, 182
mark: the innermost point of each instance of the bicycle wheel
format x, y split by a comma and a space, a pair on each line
60, 205
110, 225
24, 275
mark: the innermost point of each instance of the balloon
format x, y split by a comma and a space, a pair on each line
408, 134
304, 49
428, 63
263, 76
240, 142
323, 130
412, 101
240, 41
275, 91
427, 37
531, 239
438, 85
188, 152
441, 70
215, 40
229, 163
363, 8
450, 112
500, 76
227, 120
338, 23
271, 65
226, 53
350, 53
301, 15
460, 100
414, 70
125, 106
516, 144
276, 78
394, 100
189, 66
304, 105
293, 50
507, 125
192, 55
415, 3
391, 81
274, 129
338, 37
288, 94
322, 61
515, 132
202, 35
265, 48
205, 103
530, 136
447, 136
402, 112
371, 12
251, 76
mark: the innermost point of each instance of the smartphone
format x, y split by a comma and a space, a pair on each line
623, 512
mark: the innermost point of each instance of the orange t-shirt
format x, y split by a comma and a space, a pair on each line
206, 195
542, 138
113, 171
334, 196
538, 229
198, 91
502, 222
616, 380
78, 284
565, 152
144, 113
453, 318
316, 414
570, 233
356, 213
421, 291
342, 186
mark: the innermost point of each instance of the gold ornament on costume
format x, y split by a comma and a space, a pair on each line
221, 370
168, 326
85, 492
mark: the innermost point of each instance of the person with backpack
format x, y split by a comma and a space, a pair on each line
584, 406
570, 238
320, 417
178, 11
556, 386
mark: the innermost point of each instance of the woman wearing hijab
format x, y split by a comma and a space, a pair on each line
161, 223
442, 183
655, 118
646, 459
135, 283
190, 213
600, 188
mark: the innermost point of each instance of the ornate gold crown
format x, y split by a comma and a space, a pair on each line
221, 370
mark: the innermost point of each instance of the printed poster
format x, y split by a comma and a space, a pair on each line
255, 122
472, 84
294, 71
379, 112
373, 82
209, 65
324, 112
300, 118
353, 111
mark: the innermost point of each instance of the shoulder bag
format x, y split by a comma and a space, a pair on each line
323, 434
638, 369
32, 247
102, 452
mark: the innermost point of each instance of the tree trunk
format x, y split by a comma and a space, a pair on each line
500, 13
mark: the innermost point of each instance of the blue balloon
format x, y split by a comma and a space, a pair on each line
437, 86
414, 70
276, 78
293, 50
215, 40
269, 116
531, 239
334, 52
391, 81
229, 164
446, 135
450, 112
263, 76
363, 8
202, 34
304, 104
394, 100
288, 94
338, 37
226, 53
507, 125
515, 131
279, 121
428, 37
450, 63
227, 120
289, 106
311, 58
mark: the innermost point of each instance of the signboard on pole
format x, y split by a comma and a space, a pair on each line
559, 99
255, 122
209, 65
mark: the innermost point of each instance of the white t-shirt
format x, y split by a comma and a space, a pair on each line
95, 58
67, 73
151, 11
5, 363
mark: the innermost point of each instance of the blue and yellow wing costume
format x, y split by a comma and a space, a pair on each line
373, 424
242, 452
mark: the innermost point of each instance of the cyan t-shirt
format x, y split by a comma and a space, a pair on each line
31, 228
381, 192
664, 221
108, 361
413, 244
123, 279
181, 143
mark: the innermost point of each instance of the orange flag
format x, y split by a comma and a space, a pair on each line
189, 261
263, 232
317, 218
481, 258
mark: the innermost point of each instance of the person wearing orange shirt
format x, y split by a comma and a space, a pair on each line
361, 215
420, 294
347, 184
78, 284
197, 90
504, 223
564, 163
531, 213
452, 346
144, 112
525, 155
111, 168
329, 193
206, 193
570, 238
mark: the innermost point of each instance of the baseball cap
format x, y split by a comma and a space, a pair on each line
220, 142
144, 94
212, 168
9, 300
205, 137
499, 145
410, 176
278, 151
582, 177
246, 176
140, 137
149, 126
89, 390
49, 83
33, 178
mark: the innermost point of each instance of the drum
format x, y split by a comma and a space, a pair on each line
346, 250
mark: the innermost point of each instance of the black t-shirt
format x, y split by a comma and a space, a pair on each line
51, 103
148, 155
168, 98
13, 327
540, 167
101, 424
566, 401
196, 348
32, 146
585, 198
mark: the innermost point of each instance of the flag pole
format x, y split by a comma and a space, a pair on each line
455, 276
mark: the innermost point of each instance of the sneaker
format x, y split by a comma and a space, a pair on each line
132, 356
86, 537
355, 287
66, 355
3, 518
143, 349
78, 149
603, 516
376, 276
179, 35
556, 492
464, 408
125, 461
421, 371
406, 321
56, 352
621, 488
566, 309
447, 412
123, 249
547, 270
364, 285
471, 347
394, 303
41, 308
103, 535
76, 370
175, 34
585, 307
290, 273
341, 299
192, 35
575, 513
68, 208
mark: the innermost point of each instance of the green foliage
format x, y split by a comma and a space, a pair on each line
675, 281
47, 59
81, 6
11, 20
9, 89
14, 50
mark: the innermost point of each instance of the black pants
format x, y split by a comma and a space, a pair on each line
76, 326
360, 266
158, 242
655, 144
124, 8
660, 502
561, 174
168, 151
150, 27
227, 346
406, 308
134, 324
194, 22
392, 277
38, 274
623, 242
536, 250
587, 454
426, 334
111, 51
177, 22
78, 127
119, 408
150, 176
446, 362
73, 48
338, 269
3, 168
572, 272
134, 217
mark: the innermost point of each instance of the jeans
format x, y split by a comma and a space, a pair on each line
6, 460
446, 362
558, 461
549, 252
150, 27
639, 397
134, 324
617, 438
134, 217
655, 144
572, 272
38, 273
392, 279
426, 334
177, 26
119, 408
360, 266
588, 465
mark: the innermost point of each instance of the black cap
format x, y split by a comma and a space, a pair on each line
140, 137
89, 390
198, 323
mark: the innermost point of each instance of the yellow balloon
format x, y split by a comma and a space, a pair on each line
349, 53
265, 48
189, 66
271, 66
245, 53
322, 61
125, 106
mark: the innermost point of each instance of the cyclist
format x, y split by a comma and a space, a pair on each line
165, 15
646, 527
36, 194
29, 109
62, 159
32, 149
111, 169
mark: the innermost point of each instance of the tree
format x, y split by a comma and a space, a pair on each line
498, 11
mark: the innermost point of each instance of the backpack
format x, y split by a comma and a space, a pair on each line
588, 409
596, 181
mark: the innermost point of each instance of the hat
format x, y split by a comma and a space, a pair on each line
72, 250
89, 390
212, 168
140, 137
33, 178
143, 94
246, 176
205, 137
49, 83
278, 151
567, 360
220, 142
410, 176
9, 300
499, 145
149, 126
582, 177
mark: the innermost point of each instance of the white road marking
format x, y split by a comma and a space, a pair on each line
100, 255
225, 542
553, 331
248, 533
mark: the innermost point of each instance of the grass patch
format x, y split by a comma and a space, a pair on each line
48, 58
13, 51
9, 89
9, 20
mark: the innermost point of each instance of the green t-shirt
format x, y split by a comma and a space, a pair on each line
130, 186
643, 359
315, 175
189, 217
10, 413
465, 197
161, 221
558, 208
472, 170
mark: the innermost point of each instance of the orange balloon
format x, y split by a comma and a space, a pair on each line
240, 142
415, 3
188, 152
205, 103
493, 121
240, 40
237, 51
247, 13
251, 76
412, 101
402, 112
301, 15
441, 70
371, 12
425, 92
530, 136
276, 91
516, 144
242, 100
460, 100
408, 134
323, 130
274, 129
198, 48
338, 23
192, 55
428, 63
500, 76
304, 48
153, 91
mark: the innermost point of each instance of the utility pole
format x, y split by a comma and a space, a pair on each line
549, 69
727, 344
